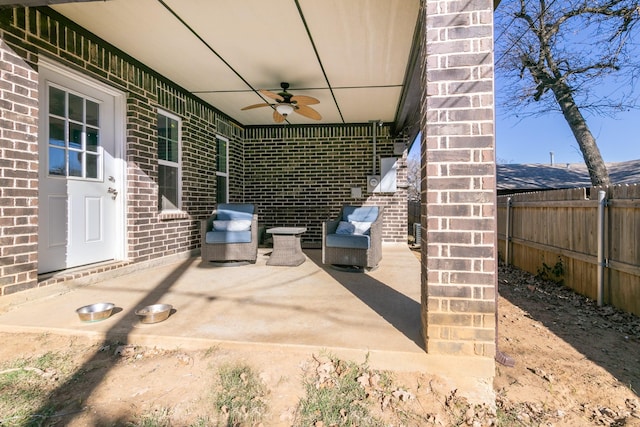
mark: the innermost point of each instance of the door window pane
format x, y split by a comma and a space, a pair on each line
56, 132
76, 108
57, 164
75, 163
73, 131
57, 103
75, 136
92, 140
92, 114
92, 165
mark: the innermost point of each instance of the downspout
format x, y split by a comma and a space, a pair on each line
602, 263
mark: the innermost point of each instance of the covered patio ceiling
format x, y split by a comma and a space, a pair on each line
354, 56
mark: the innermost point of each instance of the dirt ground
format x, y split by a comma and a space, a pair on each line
575, 365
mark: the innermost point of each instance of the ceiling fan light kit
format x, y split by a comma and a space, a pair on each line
287, 103
285, 109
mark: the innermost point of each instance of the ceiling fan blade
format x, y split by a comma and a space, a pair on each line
250, 107
277, 117
271, 95
307, 112
304, 100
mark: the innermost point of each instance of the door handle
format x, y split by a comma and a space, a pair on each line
113, 192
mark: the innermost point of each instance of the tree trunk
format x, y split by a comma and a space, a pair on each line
587, 143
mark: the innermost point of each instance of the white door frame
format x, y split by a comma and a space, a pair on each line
119, 116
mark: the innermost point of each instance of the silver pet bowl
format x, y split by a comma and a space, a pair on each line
154, 313
95, 312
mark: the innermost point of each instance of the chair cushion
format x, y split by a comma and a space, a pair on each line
349, 241
231, 225
228, 211
360, 213
345, 227
214, 237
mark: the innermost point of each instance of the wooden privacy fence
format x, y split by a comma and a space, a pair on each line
413, 216
588, 238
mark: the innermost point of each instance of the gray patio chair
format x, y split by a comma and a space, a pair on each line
230, 234
354, 239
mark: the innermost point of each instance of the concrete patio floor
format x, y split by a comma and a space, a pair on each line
302, 309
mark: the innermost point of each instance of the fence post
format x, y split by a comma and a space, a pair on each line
507, 233
602, 202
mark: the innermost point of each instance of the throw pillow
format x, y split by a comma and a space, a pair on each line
361, 227
231, 225
345, 228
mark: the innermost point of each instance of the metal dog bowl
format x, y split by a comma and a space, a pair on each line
154, 313
95, 312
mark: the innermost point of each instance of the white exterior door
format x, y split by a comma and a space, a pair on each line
80, 174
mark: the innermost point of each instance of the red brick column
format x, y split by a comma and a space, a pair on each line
18, 172
459, 272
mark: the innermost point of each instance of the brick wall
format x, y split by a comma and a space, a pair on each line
18, 172
316, 166
458, 179
302, 175
153, 234
26, 33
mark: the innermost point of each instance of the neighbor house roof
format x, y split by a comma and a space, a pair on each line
539, 177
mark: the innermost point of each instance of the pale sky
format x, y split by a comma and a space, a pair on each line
531, 140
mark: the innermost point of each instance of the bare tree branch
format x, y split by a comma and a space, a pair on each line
557, 53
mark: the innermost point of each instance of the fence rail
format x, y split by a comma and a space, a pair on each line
591, 244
